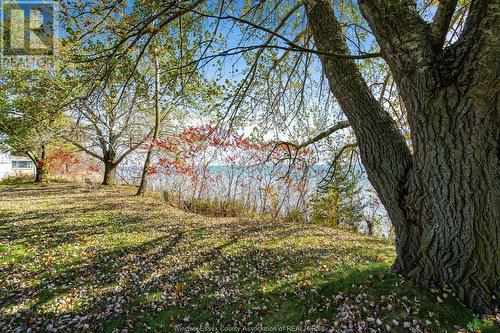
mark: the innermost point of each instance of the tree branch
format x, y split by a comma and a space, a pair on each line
292, 45
85, 149
319, 137
32, 156
336, 158
441, 22
127, 152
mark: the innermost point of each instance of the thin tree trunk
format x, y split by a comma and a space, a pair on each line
444, 198
156, 132
144, 176
370, 227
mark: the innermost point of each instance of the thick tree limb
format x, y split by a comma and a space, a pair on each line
404, 37
82, 147
441, 22
482, 14
383, 150
32, 157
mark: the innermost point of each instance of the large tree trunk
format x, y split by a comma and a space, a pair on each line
110, 165
452, 206
109, 176
444, 198
41, 172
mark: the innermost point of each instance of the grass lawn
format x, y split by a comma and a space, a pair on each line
76, 260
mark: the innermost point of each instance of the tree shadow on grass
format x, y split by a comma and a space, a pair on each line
226, 273
98, 270
35, 189
232, 295
49, 234
226, 284
274, 301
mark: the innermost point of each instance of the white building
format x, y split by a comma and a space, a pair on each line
15, 166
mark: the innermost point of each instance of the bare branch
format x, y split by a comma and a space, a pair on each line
320, 136
292, 46
336, 158
82, 147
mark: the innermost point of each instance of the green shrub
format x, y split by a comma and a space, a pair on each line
339, 203
295, 216
166, 196
17, 180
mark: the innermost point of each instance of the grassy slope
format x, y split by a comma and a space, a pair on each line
75, 260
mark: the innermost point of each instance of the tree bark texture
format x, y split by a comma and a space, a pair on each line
109, 176
110, 165
41, 171
443, 197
